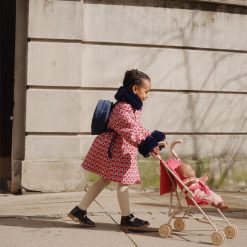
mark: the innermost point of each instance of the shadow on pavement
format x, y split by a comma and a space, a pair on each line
51, 222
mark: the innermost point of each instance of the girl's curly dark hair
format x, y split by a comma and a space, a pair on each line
134, 77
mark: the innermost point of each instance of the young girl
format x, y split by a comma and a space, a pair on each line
113, 155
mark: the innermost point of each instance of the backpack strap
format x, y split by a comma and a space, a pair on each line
114, 137
109, 129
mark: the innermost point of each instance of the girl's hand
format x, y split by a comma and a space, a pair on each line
162, 144
155, 152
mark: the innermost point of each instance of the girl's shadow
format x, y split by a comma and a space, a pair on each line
49, 222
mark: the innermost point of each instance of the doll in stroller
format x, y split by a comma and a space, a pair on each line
177, 177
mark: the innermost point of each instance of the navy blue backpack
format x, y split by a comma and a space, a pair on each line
101, 116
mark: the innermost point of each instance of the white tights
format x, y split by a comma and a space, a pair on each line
97, 187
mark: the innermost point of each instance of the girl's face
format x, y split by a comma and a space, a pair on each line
142, 90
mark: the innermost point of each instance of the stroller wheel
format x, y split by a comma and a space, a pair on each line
218, 238
231, 231
180, 224
165, 231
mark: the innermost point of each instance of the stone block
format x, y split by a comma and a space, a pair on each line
175, 69
52, 176
181, 112
53, 111
57, 147
52, 147
136, 24
54, 64
55, 19
199, 113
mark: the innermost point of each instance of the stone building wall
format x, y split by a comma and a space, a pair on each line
77, 52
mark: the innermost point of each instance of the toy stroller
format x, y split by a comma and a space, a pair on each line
169, 182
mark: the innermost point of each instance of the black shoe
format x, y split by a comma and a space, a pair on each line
130, 222
80, 216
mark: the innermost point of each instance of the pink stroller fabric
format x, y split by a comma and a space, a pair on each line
166, 185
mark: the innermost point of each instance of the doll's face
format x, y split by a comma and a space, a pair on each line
186, 171
142, 90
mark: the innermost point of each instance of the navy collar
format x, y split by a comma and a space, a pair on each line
125, 95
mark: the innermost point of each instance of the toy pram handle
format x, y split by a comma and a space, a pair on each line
172, 148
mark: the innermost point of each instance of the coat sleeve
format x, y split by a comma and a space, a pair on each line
124, 122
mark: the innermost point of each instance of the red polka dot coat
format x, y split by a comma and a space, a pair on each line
122, 167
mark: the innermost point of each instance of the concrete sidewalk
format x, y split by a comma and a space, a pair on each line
41, 220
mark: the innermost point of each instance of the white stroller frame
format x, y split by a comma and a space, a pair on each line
217, 237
